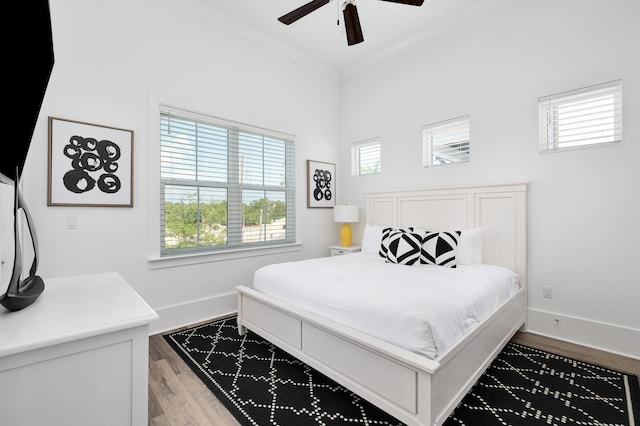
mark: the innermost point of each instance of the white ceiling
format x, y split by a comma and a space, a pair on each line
385, 25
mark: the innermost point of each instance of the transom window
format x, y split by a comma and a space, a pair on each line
583, 117
446, 142
223, 185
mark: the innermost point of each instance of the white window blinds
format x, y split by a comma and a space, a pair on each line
446, 142
582, 117
365, 157
223, 184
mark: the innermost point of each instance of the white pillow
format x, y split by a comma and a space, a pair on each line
371, 238
469, 251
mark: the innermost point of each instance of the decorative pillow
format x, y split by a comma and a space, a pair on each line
439, 248
371, 239
404, 247
384, 240
469, 250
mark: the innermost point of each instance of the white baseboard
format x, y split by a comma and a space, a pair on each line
597, 335
176, 316
607, 337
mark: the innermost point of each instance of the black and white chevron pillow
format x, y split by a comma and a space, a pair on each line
384, 242
439, 248
404, 248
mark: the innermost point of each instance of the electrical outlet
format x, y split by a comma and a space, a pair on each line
547, 292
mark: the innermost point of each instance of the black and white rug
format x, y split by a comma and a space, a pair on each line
262, 385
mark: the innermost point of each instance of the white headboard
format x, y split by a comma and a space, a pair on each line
500, 210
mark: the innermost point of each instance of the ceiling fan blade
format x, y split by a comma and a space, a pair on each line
409, 2
352, 24
302, 11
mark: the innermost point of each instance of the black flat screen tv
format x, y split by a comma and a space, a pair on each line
28, 62
27, 66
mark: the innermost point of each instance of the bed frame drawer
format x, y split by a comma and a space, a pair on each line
280, 325
392, 380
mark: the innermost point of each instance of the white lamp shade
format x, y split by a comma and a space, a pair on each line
346, 213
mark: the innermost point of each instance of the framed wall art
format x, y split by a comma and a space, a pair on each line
321, 184
89, 165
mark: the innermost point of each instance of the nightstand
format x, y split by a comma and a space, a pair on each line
338, 250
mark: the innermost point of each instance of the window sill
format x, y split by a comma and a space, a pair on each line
196, 258
579, 147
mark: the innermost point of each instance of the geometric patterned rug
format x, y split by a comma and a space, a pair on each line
526, 386
263, 385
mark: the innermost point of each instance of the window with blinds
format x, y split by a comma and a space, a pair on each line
223, 185
583, 117
365, 157
446, 142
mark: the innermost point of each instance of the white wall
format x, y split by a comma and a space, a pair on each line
111, 60
493, 60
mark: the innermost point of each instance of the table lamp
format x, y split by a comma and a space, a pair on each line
346, 214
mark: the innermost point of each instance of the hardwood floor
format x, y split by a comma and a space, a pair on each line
178, 398
582, 353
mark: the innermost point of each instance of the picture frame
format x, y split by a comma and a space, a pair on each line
321, 184
89, 165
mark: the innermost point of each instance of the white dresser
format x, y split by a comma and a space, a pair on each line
77, 356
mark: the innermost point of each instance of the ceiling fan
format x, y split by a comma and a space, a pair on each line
349, 11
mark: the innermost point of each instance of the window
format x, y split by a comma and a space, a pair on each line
446, 142
365, 157
223, 185
583, 117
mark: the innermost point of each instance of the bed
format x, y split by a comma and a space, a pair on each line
418, 383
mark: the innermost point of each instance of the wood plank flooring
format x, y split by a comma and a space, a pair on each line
582, 353
178, 398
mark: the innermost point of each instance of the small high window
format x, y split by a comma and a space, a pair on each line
583, 117
365, 157
446, 142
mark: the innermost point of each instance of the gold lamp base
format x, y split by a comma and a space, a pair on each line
345, 235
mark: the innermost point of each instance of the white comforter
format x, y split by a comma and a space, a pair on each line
421, 308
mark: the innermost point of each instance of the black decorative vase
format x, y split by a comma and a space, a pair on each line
22, 292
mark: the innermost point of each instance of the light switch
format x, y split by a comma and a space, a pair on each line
72, 222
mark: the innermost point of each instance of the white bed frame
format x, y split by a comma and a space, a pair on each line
411, 387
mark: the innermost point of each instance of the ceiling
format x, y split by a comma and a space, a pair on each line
385, 25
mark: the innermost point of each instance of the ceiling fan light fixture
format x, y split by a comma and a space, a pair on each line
349, 12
